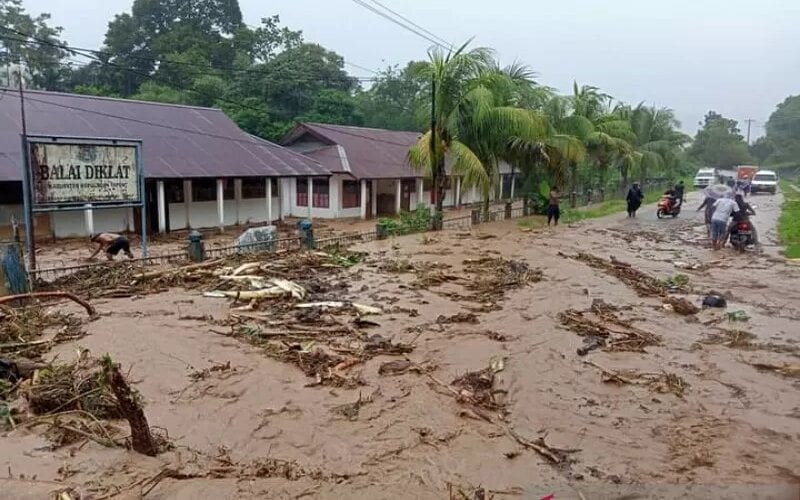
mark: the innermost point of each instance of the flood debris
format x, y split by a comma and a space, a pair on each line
556, 456
351, 410
786, 370
606, 329
478, 387
681, 306
644, 284
661, 382
714, 300
31, 330
493, 276
463, 317
397, 367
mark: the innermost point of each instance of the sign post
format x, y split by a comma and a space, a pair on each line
69, 173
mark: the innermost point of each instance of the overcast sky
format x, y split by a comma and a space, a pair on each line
737, 57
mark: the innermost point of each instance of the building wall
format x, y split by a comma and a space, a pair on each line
73, 224
291, 209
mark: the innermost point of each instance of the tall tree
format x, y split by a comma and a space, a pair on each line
34, 43
783, 131
394, 101
719, 143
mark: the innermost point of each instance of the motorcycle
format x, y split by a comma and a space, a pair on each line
742, 235
667, 207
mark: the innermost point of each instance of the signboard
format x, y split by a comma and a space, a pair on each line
80, 173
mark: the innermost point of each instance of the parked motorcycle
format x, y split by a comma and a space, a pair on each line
742, 235
667, 207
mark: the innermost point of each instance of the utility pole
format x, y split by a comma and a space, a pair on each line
26, 180
434, 160
749, 123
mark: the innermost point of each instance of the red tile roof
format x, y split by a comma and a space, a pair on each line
369, 153
177, 141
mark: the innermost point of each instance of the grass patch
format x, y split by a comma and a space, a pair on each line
789, 221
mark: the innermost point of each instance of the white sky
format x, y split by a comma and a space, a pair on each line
740, 58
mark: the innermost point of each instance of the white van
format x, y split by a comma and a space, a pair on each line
765, 181
705, 177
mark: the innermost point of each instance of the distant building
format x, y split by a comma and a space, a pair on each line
201, 170
371, 174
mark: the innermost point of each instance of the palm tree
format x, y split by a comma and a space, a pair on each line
474, 120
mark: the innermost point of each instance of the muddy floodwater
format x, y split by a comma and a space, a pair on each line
477, 387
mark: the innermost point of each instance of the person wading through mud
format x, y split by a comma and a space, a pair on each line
680, 190
723, 208
553, 208
112, 243
634, 199
708, 204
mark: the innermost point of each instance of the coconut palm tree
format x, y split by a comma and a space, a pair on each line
474, 120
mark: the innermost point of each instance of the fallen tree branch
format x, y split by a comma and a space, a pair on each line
90, 310
192, 267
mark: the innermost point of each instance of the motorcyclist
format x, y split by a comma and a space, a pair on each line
670, 195
744, 213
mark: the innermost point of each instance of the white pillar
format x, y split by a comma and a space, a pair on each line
475, 196
457, 201
221, 203
398, 196
310, 197
187, 202
88, 218
269, 201
420, 192
374, 197
513, 183
161, 201
237, 196
363, 199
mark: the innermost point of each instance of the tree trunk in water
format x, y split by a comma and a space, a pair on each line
141, 439
624, 174
573, 167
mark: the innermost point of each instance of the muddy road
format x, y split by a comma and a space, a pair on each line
707, 406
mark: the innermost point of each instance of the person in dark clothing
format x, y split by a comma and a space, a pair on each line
634, 199
744, 213
553, 208
679, 193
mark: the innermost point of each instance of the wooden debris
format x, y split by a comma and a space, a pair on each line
130, 409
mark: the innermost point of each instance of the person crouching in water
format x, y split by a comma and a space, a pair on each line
553, 207
634, 199
112, 244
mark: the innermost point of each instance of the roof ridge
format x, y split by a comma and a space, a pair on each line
333, 125
107, 98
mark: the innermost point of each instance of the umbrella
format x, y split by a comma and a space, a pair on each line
718, 191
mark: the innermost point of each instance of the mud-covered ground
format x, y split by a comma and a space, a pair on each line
706, 413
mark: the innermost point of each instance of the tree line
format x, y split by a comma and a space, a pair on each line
268, 77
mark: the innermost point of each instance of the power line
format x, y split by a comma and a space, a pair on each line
412, 23
399, 23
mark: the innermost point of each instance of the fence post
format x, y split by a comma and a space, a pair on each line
508, 210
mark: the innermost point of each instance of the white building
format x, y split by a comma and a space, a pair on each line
371, 173
201, 170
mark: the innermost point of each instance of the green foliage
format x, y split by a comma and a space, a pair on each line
394, 101
408, 222
789, 221
44, 66
783, 131
719, 143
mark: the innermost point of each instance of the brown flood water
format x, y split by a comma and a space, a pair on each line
735, 433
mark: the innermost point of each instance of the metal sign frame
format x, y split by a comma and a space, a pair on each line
27, 183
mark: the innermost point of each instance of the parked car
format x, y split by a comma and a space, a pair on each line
765, 181
705, 177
